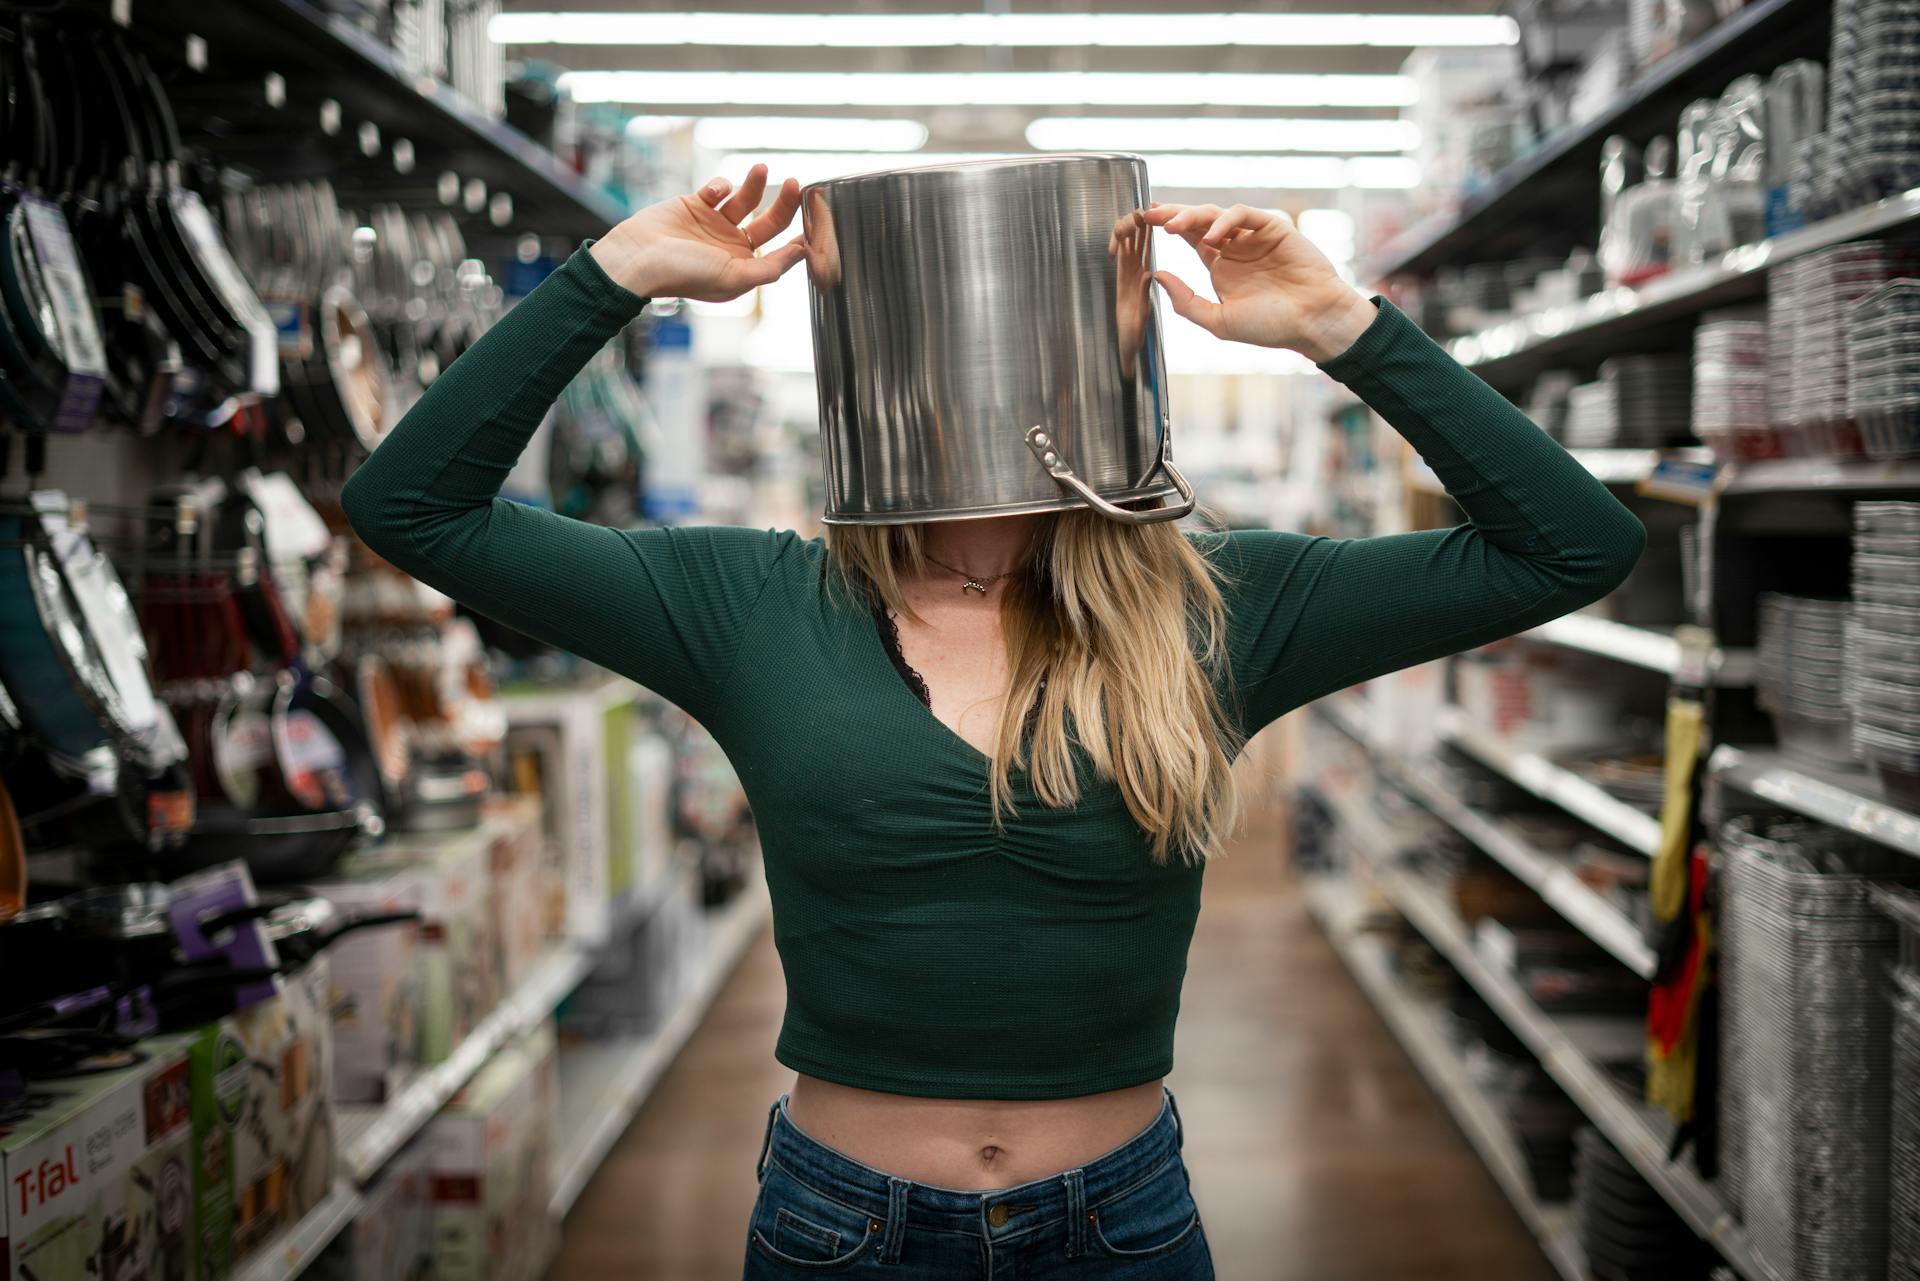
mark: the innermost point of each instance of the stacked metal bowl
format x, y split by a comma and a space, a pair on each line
1883, 644
1640, 401
1802, 678
1873, 100
1806, 1046
1808, 302
1731, 392
1883, 369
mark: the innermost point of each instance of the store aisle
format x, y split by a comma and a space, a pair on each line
1318, 1154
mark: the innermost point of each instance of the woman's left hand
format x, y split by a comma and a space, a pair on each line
1276, 288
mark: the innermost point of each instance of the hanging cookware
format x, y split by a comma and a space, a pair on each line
986, 343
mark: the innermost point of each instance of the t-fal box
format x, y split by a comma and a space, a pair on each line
95, 1175
491, 1152
375, 996
263, 1133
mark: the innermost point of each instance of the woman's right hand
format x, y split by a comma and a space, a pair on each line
703, 246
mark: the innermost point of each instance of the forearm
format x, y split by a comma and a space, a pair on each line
445, 461
1524, 493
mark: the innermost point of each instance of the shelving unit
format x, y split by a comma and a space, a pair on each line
604, 1083
1420, 1029
1617, 319
1550, 782
1572, 1050
1656, 651
246, 38
1549, 877
1553, 185
1802, 475
1853, 802
371, 1135
1608, 466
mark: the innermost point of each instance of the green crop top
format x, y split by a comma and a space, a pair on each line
925, 953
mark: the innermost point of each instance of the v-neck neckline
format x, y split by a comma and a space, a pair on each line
901, 689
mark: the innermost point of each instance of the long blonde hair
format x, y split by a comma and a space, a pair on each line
1126, 625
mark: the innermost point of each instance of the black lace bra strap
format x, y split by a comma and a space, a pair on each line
890, 640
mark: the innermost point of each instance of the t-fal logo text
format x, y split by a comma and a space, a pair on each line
39, 1184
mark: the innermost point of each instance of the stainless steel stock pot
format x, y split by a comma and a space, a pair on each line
986, 342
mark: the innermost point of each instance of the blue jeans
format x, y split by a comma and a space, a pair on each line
1125, 1216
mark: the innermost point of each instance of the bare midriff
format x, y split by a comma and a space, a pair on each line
970, 1144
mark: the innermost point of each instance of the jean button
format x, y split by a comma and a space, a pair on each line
997, 1216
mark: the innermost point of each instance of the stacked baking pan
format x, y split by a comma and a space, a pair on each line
1808, 302
1873, 100
1903, 1141
1883, 369
1806, 1029
1802, 677
1731, 387
1883, 644
1640, 401
1628, 1232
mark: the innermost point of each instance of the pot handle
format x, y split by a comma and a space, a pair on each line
1048, 453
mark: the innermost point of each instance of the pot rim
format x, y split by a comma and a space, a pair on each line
989, 162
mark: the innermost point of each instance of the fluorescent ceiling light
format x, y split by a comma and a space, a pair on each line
989, 88
809, 133
1003, 30
1203, 172
1164, 133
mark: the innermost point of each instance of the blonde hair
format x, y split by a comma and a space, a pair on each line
1126, 626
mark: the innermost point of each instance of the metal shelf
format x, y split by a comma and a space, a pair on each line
604, 1083
1617, 318
322, 55
369, 1136
1555, 185
1561, 1045
1632, 828
1421, 1031
1608, 466
1802, 475
294, 1249
1851, 801
1547, 876
1656, 651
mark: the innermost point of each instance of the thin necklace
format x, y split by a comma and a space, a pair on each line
971, 582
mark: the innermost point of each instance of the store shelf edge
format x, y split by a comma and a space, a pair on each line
294, 1249
1421, 1036
1550, 782
730, 934
1833, 800
398, 1120
1610, 1111
1442, 240
1655, 651
1490, 351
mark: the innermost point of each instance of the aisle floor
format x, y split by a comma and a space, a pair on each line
1317, 1152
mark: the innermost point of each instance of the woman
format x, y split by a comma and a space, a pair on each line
988, 757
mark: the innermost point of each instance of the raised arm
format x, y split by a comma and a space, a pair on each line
663, 606
1312, 615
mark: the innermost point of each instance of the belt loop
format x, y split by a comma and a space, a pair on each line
1179, 1130
1076, 1212
896, 1220
766, 1141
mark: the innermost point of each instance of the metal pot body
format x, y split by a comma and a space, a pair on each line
959, 310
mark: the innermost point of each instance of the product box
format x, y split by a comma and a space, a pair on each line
263, 1126
491, 1155
376, 985
514, 875
94, 1175
459, 981
391, 1238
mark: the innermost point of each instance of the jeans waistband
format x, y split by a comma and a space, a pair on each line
999, 1213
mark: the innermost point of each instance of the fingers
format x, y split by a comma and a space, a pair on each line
743, 274
747, 199
1238, 218
775, 220
714, 192
1203, 312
